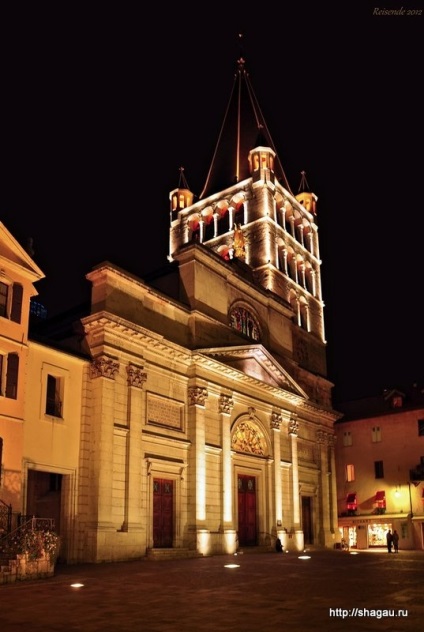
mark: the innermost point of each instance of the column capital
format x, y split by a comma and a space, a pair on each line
326, 438
293, 425
104, 366
197, 396
225, 404
136, 376
276, 420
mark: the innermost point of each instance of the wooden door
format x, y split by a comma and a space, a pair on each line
247, 510
308, 534
163, 512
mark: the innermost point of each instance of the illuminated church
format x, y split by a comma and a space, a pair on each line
204, 420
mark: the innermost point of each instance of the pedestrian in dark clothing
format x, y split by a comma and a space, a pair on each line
395, 540
389, 539
278, 546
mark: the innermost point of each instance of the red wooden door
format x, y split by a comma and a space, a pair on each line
163, 512
247, 510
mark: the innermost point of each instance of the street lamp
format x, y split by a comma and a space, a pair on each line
398, 494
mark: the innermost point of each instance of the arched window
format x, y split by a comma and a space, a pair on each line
242, 320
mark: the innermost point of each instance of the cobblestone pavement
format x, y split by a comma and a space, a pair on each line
331, 591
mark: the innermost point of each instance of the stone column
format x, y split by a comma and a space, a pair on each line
197, 396
293, 430
324, 486
132, 501
299, 542
333, 486
229, 544
225, 406
103, 369
276, 421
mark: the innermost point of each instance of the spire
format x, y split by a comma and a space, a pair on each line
303, 186
182, 182
181, 197
305, 195
242, 129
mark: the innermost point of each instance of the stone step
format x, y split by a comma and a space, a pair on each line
248, 550
171, 554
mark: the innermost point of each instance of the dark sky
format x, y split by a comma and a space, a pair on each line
101, 108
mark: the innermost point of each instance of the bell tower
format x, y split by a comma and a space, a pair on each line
247, 214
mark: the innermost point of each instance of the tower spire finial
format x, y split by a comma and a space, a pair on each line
241, 60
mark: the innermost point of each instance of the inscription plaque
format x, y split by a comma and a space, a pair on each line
164, 412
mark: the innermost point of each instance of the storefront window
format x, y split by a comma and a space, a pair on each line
377, 534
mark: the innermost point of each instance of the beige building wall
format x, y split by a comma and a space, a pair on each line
392, 438
17, 269
52, 439
200, 418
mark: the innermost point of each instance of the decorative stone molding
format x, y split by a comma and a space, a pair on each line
331, 440
326, 438
276, 420
248, 439
293, 425
320, 435
136, 376
197, 396
104, 366
225, 404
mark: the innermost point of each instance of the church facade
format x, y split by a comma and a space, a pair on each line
204, 417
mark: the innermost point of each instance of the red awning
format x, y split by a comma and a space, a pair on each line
380, 496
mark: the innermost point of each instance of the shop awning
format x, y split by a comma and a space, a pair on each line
380, 499
351, 502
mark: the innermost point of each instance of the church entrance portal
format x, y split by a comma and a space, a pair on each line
163, 512
247, 510
307, 520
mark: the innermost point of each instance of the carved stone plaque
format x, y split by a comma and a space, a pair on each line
164, 412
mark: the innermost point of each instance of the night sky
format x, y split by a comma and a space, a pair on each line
101, 109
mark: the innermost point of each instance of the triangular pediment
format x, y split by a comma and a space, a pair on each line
256, 362
14, 256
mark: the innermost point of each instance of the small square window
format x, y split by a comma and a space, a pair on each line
347, 438
378, 469
53, 396
376, 434
421, 427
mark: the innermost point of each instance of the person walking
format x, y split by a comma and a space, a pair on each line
389, 538
395, 540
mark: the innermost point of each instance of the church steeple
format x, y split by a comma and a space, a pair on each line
305, 195
248, 215
181, 197
243, 129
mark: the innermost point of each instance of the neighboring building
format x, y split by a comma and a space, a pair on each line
40, 407
52, 439
18, 274
200, 416
380, 469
